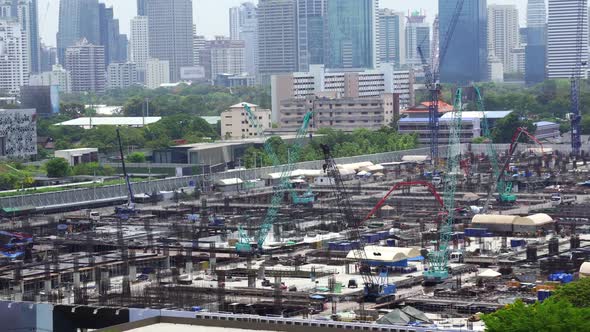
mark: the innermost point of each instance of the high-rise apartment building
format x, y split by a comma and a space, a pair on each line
170, 24
243, 25
25, 12
417, 35
467, 53
78, 19
277, 44
199, 44
48, 57
311, 16
14, 53
503, 34
536, 43
157, 72
564, 36
86, 65
392, 37
139, 45
121, 75
352, 34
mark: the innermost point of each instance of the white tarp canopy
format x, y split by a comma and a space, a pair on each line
534, 220
489, 273
229, 182
355, 166
373, 168
493, 219
387, 254
416, 158
297, 173
585, 269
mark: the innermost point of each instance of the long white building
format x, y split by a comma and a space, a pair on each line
353, 84
157, 73
14, 62
564, 36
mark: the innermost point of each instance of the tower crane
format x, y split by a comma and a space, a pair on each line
129, 208
376, 287
244, 244
431, 73
575, 116
438, 260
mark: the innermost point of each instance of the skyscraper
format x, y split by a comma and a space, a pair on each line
139, 47
536, 46
392, 37
78, 19
503, 34
467, 53
225, 56
417, 35
170, 24
310, 32
277, 45
25, 12
115, 44
243, 25
142, 7
234, 23
14, 63
86, 65
352, 28
564, 36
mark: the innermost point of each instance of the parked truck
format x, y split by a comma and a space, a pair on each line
559, 199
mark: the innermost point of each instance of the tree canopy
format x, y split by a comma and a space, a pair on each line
58, 168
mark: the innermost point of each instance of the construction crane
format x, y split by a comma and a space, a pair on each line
128, 209
438, 260
431, 73
505, 187
492, 154
306, 198
375, 286
575, 116
245, 243
399, 185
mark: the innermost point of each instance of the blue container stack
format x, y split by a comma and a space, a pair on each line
517, 243
543, 294
383, 235
564, 278
391, 243
372, 238
476, 232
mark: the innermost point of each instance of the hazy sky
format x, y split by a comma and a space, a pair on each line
211, 16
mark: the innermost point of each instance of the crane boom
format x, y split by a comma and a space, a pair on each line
438, 259
244, 243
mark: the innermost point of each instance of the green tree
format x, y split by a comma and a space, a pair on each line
58, 168
72, 110
136, 157
550, 315
577, 293
93, 168
506, 127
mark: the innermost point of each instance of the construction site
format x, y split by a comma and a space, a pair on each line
411, 241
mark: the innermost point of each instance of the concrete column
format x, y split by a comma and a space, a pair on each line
189, 269
167, 262
47, 284
76, 277
132, 273
212, 264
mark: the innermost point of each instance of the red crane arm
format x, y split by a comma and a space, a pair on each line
395, 187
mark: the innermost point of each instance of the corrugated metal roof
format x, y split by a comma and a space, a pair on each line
478, 115
387, 254
111, 121
545, 123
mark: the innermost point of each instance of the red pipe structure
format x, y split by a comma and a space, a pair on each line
399, 185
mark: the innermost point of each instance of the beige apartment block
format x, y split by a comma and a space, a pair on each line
235, 123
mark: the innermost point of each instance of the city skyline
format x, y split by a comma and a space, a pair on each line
212, 18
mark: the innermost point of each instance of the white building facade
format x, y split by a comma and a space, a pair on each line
157, 73
14, 62
564, 37
121, 75
58, 76
139, 47
503, 34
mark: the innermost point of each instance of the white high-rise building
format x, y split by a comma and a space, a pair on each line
565, 36
139, 42
417, 35
121, 75
234, 23
14, 61
199, 45
58, 76
536, 13
157, 73
503, 34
